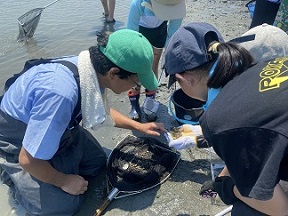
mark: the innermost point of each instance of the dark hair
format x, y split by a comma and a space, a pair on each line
232, 61
100, 62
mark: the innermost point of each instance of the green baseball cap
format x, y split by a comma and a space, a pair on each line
131, 51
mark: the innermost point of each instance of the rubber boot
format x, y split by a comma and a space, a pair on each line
150, 106
135, 112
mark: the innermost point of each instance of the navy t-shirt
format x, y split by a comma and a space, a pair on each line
247, 125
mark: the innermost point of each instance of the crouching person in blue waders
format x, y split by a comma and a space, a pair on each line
247, 121
157, 20
45, 155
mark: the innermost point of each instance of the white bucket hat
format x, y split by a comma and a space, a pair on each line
167, 9
270, 42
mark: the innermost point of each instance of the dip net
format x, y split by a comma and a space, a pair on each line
28, 23
137, 164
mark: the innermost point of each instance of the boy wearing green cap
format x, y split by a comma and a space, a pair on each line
45, 155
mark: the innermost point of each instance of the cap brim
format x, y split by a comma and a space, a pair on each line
169, 12
148, 80
243, 39
172, 80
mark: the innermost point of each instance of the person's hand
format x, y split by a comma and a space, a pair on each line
182, 142
74, 184
183, 136
187, 130
207, 190
224, 187
152, 128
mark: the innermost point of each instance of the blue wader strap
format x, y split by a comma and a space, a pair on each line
76, 118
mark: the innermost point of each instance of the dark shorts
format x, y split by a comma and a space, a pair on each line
156, 36
264, 12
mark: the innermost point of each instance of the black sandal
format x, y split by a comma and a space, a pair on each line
110, 21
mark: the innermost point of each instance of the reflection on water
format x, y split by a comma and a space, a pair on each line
107, 28
65, 28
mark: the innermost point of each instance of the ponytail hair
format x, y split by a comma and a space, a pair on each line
232, 61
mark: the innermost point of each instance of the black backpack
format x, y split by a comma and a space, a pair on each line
76, 118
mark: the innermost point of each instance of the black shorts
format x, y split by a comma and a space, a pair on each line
156, 36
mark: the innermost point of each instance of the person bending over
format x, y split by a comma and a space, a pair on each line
246, 123
45, 155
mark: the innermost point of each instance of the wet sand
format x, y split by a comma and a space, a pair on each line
179, 194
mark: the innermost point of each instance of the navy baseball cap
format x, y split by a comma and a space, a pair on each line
188, 48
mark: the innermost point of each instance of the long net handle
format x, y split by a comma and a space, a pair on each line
51, 3
212, 199
102, 207
106, 202
225, 211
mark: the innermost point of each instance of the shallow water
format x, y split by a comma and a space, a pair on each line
65, 28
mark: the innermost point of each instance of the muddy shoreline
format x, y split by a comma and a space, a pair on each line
178, 195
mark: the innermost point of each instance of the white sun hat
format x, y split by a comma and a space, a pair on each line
270, 42
167, 9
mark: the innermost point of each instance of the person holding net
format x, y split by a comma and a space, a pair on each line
45, 155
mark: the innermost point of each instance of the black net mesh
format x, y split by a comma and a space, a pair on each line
28, 23
140, 163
